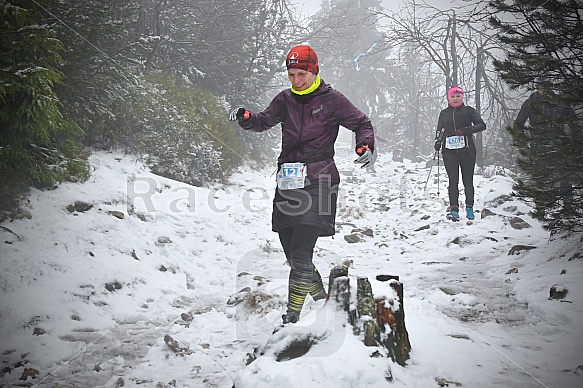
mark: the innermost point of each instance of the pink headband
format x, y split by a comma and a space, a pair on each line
454, 90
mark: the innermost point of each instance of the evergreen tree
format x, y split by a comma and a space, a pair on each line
547, 40
181, 132
233, 51
37, 144
100, 62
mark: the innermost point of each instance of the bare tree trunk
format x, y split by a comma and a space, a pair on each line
409, 146
453, 51
479, 140
447, 66
416, 128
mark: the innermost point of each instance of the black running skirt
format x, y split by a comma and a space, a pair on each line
313, 205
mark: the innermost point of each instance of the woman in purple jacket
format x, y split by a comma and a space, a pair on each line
304, 207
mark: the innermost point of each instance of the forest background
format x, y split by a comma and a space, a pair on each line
156, 79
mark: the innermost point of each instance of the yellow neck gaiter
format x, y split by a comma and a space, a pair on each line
310, 89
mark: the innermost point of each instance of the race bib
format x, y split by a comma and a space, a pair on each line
455, 142
292, 176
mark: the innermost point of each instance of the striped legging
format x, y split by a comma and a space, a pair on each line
298, 243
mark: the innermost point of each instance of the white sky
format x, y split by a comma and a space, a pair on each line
476, 316
309, 7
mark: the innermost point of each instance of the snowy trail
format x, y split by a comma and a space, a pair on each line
476, 315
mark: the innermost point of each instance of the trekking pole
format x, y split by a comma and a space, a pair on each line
430, 168
437, 174
439, 137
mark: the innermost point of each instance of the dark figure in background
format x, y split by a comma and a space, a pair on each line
544, 116
547, 119
304, 208
455, 135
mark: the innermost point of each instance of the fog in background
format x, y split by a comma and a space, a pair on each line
148, 76
395, 61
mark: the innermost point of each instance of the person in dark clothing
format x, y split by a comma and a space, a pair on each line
454, 136
304, 208
535, 109
547, 119
544, 116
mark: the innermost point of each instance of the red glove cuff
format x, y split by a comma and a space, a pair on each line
360, 150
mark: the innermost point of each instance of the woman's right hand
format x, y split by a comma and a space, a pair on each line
239, 113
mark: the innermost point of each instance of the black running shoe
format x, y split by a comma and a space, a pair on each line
290, 317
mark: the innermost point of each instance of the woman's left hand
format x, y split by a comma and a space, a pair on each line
465, 131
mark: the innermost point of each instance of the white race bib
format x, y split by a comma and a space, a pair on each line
455, 142
292, 176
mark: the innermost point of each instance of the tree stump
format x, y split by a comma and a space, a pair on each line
391, 316
339, 286
398, 155
367, 312
381, 320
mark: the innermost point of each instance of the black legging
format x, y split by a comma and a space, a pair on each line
453, 162
298, 243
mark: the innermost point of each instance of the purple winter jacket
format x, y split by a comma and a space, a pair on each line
310, 125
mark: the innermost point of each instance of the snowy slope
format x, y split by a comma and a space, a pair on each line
87, 298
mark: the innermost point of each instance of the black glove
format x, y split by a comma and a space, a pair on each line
438, 139
239, 113
465, 131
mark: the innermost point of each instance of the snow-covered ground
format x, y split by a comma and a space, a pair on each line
87, 298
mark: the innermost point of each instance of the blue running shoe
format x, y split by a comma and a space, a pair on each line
453, 214
470, 213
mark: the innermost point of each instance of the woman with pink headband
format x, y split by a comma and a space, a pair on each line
455, 137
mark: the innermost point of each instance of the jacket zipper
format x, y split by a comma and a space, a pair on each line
295, 147
454, 126
299, 141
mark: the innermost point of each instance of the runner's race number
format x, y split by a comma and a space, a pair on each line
455, 142
292, 176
